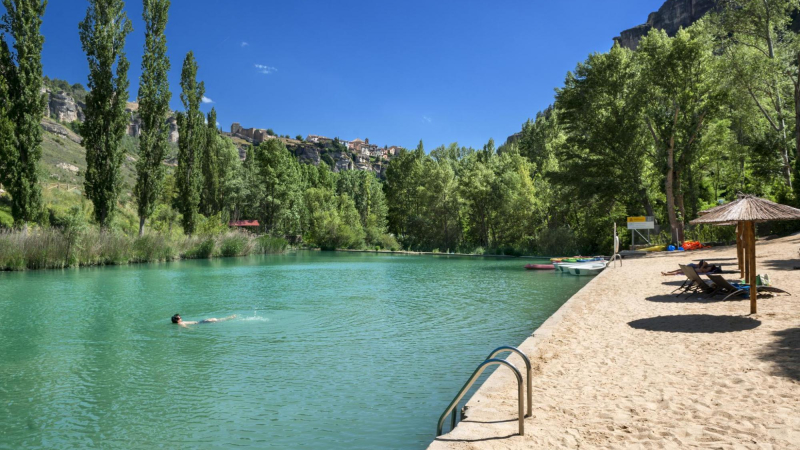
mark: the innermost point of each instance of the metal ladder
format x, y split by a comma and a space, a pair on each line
492, 361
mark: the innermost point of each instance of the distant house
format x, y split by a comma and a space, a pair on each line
244, 224
355, 145
318, 139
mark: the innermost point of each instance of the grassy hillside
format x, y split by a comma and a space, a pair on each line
62, 155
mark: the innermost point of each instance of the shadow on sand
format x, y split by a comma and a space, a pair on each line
697, 298
780, 264
785, 353
494, 438
696, 323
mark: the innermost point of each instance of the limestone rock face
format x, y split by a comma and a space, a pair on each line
671, 17
63, 108
342, 162
172, 123
308, 154
59, 130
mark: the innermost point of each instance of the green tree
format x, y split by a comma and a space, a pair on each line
22, 75
191, 139
402, 179
7, 145
102, 35
761, 58
366, 191
277, 194
210, 195
440, 203
605, 156
154, 98
682, 98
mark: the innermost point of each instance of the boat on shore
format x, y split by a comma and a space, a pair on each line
582, 269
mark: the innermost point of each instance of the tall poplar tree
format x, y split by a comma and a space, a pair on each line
103, 34
24, 104
7, 147
210, 198
154, 97
191, 139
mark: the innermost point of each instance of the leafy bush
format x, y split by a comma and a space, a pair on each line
211, 225
235, 244
205, 249
269, 244
559, 241
154, 247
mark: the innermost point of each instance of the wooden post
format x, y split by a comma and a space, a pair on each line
740, 248
752, 279
746, 252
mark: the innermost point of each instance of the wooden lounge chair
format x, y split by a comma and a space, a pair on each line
696, 284
738, 289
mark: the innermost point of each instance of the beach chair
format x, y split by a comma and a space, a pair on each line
695, 283
732, 289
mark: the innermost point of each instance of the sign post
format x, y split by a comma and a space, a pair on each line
641, 223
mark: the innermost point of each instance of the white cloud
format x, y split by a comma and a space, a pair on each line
207, 100
217, 124
266, 70
244, 44
427, 119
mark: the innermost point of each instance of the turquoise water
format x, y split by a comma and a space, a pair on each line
329, 350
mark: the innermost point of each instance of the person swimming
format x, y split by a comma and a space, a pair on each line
177, 319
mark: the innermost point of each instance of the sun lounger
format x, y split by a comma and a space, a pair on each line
695, 283
738, 289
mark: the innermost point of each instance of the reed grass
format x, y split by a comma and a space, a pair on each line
52, 248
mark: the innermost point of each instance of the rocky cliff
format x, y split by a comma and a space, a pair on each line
63, 108
671, 17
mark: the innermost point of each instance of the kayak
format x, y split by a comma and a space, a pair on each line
539, 266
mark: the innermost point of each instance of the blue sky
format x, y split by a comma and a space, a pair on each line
393, 72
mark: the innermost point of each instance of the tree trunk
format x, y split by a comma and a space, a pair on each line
141, 226
679, 202
796, 120
670, 192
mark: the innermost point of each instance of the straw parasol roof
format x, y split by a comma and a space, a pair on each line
746, 211
748, 208
712, 209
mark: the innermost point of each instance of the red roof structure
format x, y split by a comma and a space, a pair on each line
243, 223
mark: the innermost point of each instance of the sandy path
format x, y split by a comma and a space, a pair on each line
629, 366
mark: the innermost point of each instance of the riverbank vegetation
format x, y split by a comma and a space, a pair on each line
667, 130
54, 248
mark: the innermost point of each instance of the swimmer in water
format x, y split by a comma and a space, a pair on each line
177, 319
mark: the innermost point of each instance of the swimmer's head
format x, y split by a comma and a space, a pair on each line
176, 318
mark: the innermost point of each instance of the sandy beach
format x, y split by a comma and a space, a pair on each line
624, 364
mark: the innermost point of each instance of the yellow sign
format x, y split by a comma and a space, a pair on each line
637, 219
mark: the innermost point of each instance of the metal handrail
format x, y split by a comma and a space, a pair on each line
465, 388
529, 372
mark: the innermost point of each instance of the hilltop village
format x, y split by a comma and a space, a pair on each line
64, 112
339, 154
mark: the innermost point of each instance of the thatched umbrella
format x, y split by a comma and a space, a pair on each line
739, 242
746, 211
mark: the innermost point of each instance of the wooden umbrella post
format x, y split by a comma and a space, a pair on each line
746, 252
752, 278
740, 248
